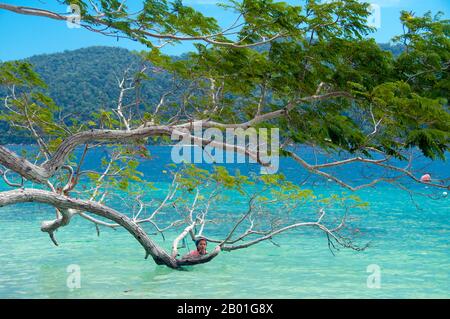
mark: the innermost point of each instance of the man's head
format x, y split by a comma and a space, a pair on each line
201, 245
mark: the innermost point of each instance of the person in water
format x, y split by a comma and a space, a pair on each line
200, 251
426, 178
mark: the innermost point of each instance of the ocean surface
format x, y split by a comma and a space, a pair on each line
409, 251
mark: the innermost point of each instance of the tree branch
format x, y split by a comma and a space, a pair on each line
64, 204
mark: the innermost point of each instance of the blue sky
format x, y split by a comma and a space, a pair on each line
23, 36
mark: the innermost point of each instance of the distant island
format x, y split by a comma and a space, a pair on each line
85, 80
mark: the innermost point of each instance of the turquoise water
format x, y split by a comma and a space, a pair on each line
410, 245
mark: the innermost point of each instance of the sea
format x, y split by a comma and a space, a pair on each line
408, 256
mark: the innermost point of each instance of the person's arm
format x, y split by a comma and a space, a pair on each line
190, 254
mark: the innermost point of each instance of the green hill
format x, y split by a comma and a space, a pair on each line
84, 80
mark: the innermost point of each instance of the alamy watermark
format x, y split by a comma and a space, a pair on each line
374, 279
232, 145
374, 20
74, 18
74, 278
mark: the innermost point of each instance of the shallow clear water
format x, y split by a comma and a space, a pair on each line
410, 245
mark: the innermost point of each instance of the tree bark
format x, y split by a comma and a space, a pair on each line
62, 202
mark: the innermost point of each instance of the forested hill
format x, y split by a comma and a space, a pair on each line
84, 80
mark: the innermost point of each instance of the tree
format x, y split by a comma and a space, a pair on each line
308, 71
